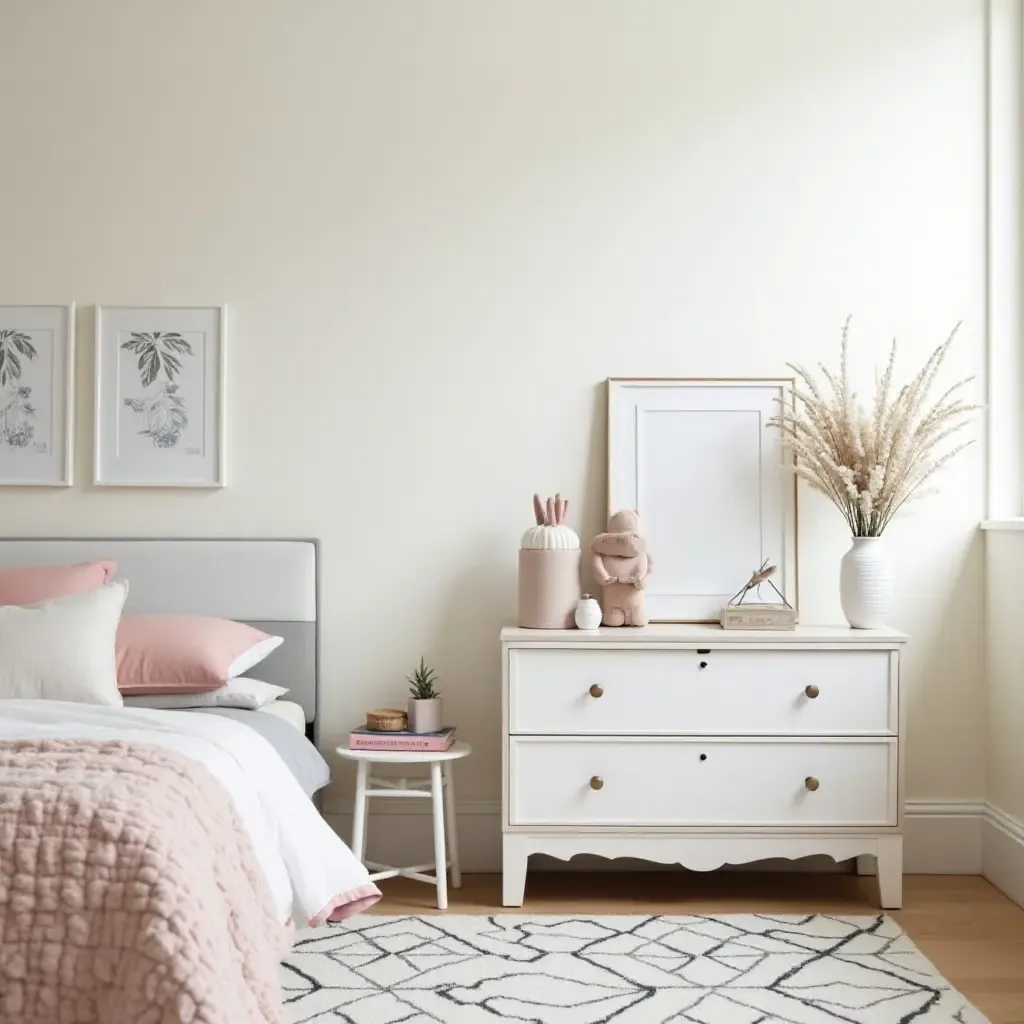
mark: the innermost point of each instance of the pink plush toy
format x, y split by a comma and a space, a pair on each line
622, 564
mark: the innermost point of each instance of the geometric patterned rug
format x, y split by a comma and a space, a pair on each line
729, 969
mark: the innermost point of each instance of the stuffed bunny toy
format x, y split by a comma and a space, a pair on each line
622, 564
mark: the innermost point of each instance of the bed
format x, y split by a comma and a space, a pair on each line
152, 862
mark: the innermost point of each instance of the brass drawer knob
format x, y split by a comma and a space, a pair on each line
596, 691
596, 782
812, 691
811, 783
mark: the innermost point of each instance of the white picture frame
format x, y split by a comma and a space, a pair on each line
160, 396
696, 460
37, 395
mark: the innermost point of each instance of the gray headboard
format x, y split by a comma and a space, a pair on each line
271, 584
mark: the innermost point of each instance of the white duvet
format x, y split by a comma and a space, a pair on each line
306, 864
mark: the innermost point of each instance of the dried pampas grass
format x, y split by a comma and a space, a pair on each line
870, 463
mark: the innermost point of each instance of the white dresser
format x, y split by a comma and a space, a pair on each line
698, 746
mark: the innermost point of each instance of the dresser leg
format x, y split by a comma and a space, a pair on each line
890, 872
514, 859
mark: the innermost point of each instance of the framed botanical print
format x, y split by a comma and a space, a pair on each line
37, 369
160, 396
697, 460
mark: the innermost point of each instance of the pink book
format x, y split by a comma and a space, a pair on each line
368, 739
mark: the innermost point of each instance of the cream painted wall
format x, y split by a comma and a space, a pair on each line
439, 226
1004, 556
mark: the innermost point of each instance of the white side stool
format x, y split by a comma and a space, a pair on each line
440, 788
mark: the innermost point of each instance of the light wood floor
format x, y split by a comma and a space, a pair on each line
971, 932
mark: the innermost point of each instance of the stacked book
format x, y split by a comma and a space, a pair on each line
372, 739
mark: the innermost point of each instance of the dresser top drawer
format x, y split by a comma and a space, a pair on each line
704, 691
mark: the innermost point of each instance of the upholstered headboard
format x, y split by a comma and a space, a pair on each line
271, 584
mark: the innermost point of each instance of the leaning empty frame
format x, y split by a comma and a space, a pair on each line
696, 459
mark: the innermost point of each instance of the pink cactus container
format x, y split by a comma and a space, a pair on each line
549, 569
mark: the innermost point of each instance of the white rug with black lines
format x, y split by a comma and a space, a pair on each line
730, 969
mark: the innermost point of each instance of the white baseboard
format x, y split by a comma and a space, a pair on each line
941, 837
1003, 846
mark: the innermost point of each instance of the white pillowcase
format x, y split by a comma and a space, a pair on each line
239, 692
63, 649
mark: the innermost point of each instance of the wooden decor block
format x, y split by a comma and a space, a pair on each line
758, 616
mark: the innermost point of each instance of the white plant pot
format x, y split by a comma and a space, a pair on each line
426, 715
865, 583
588, 613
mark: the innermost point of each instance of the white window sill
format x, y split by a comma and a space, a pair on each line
1009, 525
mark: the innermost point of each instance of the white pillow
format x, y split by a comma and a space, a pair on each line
63, 649
239, 692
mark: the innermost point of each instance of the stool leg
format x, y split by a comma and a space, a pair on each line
451, 824
359, 812
440, 857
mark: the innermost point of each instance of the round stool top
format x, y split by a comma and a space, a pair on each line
453, 753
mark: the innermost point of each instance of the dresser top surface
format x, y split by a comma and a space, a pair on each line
667, 633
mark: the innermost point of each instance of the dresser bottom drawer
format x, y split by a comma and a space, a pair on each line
695, 782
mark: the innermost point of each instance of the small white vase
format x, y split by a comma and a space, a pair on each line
588, 613
865, 583
426, 715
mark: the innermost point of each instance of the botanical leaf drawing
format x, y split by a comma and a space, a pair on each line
165, 412
156, 353
15, 413
13, 346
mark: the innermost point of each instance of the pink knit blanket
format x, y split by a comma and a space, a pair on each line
129, 892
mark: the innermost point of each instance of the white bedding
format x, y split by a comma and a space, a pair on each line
306, 864
291, 712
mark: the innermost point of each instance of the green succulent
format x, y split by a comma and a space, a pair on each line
423, 683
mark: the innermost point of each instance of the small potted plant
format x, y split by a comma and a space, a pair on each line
426, 708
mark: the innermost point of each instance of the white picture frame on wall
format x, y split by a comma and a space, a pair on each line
37, 387
160, 396
696, 459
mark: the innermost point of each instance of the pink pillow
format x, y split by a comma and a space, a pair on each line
30, 584
185, 653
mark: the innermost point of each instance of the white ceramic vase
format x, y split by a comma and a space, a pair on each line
426, 715
588, 613
865, 583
